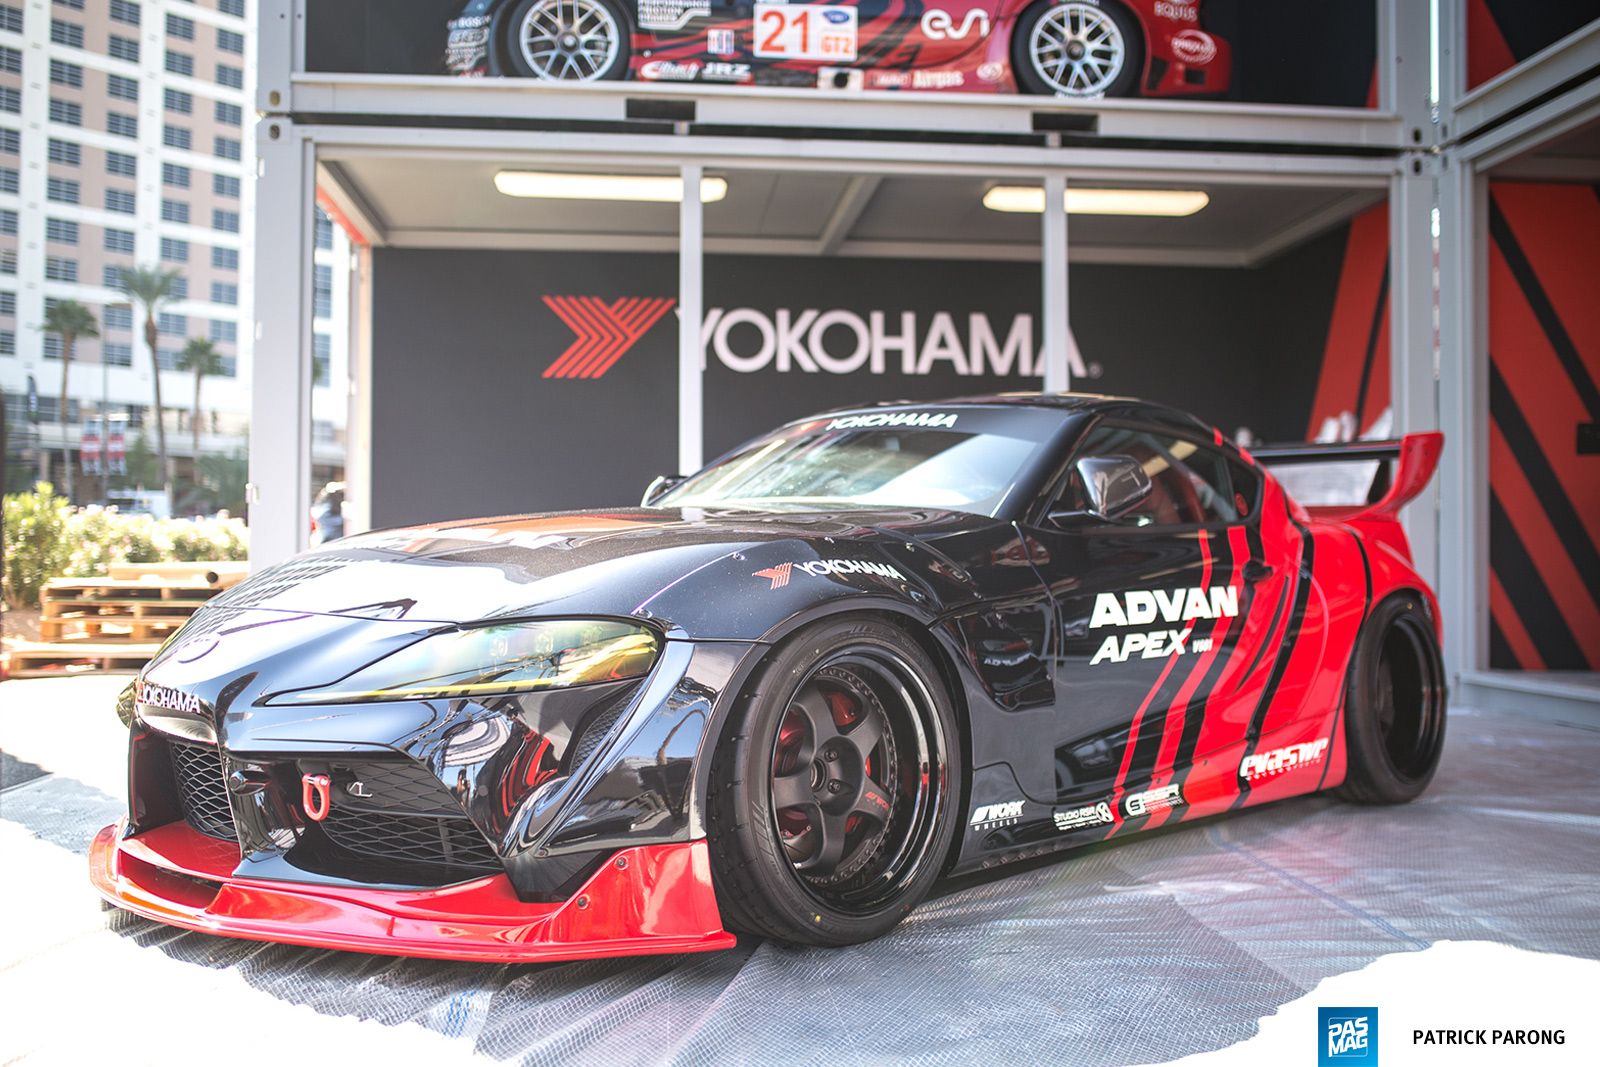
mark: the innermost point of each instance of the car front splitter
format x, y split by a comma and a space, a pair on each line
644, 900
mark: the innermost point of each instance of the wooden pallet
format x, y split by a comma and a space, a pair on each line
217, 575
138, 604
57, 659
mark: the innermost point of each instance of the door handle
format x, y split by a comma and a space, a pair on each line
1256, 571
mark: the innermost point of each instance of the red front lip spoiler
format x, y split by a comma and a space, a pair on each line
650, 899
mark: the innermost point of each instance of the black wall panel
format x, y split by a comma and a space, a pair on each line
465, 423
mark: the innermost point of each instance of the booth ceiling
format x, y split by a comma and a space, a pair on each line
453, 203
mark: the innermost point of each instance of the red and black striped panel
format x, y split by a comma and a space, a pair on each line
1487, 51
1355, 360
1544, 363
1503, 33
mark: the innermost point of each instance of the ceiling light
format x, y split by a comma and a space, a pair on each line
1030, 198
654, 188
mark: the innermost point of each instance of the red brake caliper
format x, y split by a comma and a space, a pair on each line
844, 713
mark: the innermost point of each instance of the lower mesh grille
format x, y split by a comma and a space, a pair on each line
413, 839
197, 768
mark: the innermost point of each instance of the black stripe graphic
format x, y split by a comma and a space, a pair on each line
1530, 597
1189, 740
1366, 610
1546, 483
1291, 634
1500, 654
1543, 310
1372, 347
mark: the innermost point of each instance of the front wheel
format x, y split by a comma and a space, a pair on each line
568, 40
832, 800
1394, 705
1079, 48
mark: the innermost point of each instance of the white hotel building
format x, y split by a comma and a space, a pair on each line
127, 137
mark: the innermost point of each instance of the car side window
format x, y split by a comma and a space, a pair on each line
1246, 488
1189, 482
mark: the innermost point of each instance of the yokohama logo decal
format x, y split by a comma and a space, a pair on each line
778, 574
605, 331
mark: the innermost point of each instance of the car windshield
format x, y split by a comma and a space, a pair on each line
837, 462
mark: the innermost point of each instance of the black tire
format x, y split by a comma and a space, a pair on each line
849, 722
1394, 705
568, 40
1111, 40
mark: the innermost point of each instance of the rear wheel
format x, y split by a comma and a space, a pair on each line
831, 803
567, 40
1078, 48
1394, 705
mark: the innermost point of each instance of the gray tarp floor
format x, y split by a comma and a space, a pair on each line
1138, 952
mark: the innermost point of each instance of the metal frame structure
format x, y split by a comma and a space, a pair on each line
1482, 130
1402, 149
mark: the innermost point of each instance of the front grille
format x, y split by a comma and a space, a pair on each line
203, 790
406, 817
413, 839
400, 787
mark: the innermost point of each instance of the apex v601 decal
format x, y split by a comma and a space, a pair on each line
1142, 606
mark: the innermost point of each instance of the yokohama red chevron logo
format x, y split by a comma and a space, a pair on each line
778, 574
605, 331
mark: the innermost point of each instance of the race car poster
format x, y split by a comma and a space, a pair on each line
1256, 51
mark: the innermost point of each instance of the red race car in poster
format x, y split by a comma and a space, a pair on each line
1070, 48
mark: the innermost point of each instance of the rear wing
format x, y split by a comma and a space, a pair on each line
1395, 472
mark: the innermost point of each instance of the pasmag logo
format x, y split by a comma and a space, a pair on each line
1347, 1036
605, 331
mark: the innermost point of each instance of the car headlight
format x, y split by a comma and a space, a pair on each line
519, 657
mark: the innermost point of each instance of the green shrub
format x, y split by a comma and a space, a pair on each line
36, 545
45, 538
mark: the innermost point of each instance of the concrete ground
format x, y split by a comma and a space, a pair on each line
1220, 935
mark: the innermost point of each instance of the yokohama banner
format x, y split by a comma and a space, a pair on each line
519, 381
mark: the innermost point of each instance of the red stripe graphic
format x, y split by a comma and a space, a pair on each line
605, 331
1487, 51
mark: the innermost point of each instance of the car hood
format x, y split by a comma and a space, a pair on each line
708, 573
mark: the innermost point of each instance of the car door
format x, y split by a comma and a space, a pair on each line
1149, 606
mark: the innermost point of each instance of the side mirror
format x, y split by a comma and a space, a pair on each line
1114, 485
659, 486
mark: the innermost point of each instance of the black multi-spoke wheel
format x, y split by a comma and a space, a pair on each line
1077, 48
568, 40
1394, 705
831, 806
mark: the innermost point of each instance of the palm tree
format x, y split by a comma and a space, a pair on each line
201, 357
152, 287
68, 320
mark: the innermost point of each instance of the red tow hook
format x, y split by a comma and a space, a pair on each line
314, 796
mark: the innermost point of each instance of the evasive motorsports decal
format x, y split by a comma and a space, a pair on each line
1142, 606
1264, 765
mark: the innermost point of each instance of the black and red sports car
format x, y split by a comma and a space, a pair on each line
868, 649
1075, 48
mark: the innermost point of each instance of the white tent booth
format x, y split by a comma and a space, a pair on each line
863, 190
